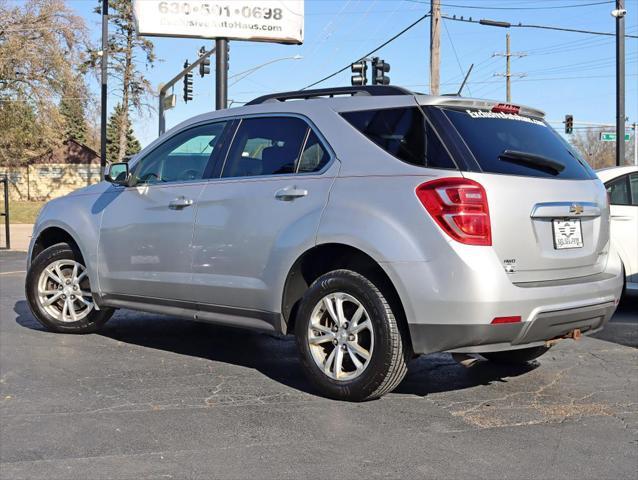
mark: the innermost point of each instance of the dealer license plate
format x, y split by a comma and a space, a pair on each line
567, 233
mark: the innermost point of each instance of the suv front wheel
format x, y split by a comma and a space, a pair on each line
350, 344
59, 293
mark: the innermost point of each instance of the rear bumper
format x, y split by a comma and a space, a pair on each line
490, 338
450, 304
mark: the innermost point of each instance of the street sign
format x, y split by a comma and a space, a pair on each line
279, 21
170, 101
611, 137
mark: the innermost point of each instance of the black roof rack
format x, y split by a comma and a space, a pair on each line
372, 90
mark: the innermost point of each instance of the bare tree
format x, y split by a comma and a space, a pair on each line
42, 44
597, 153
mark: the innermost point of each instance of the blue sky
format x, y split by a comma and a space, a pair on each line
565, 72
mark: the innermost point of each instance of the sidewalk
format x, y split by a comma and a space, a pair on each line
20, 236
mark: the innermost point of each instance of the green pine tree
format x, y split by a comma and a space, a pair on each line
72, 110
112, 137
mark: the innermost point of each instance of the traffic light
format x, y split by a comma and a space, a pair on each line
359, 73
379, 70
188, 84
569, 123
204, 67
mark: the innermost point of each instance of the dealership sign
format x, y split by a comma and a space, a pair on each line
256, 20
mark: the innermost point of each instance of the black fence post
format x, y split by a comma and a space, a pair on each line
5, 214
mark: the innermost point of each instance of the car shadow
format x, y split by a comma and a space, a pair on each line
623, 327
273, 355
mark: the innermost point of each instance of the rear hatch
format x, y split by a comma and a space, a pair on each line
548, 211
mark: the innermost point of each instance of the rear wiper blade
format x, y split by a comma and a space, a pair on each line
532, 160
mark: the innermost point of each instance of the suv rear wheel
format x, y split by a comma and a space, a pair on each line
523, 355
350, 344
59, 293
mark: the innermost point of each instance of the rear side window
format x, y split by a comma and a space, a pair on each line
618, 190
633, 181
532, 146
314, 156
403, 133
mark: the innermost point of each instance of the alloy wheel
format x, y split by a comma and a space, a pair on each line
341, 336
64, 291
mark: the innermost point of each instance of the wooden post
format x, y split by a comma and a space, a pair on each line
435, 45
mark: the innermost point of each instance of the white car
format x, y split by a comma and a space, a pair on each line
622, 187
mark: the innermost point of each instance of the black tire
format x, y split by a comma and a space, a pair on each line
390, 355
516, 357
92, 322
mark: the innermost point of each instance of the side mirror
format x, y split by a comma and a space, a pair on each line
117, 173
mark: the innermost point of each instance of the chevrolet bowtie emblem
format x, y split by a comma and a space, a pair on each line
577, 209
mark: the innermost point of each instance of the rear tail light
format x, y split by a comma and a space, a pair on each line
459, 207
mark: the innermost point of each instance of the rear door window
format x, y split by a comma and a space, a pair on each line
266, 146
633, 182
618, 190
532, 145
403, 133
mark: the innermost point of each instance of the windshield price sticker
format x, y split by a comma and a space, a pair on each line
279, 21
504, 116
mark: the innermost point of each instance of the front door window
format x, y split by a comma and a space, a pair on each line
181, 158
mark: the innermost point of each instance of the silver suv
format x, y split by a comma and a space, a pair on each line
372, 223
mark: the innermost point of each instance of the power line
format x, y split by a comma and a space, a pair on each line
391, 39
555, 7
447, 31
468, 20
494, 23
537, 79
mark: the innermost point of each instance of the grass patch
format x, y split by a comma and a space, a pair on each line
23, 212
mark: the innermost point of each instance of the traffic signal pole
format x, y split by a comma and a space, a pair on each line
173, 81
221, 74
619, 14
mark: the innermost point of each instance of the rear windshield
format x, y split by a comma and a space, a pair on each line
517, 145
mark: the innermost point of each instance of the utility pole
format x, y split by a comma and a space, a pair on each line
619, 14
508, 72
221, 73
435, 45
104, 92
636, 144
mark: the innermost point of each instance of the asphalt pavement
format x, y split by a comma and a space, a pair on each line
159, 397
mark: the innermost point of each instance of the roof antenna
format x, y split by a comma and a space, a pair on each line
467, 75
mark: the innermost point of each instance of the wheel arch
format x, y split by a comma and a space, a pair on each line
50, 236
326, 257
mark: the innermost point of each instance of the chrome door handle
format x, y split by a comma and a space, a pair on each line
622, 218
179, 203
290, 193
